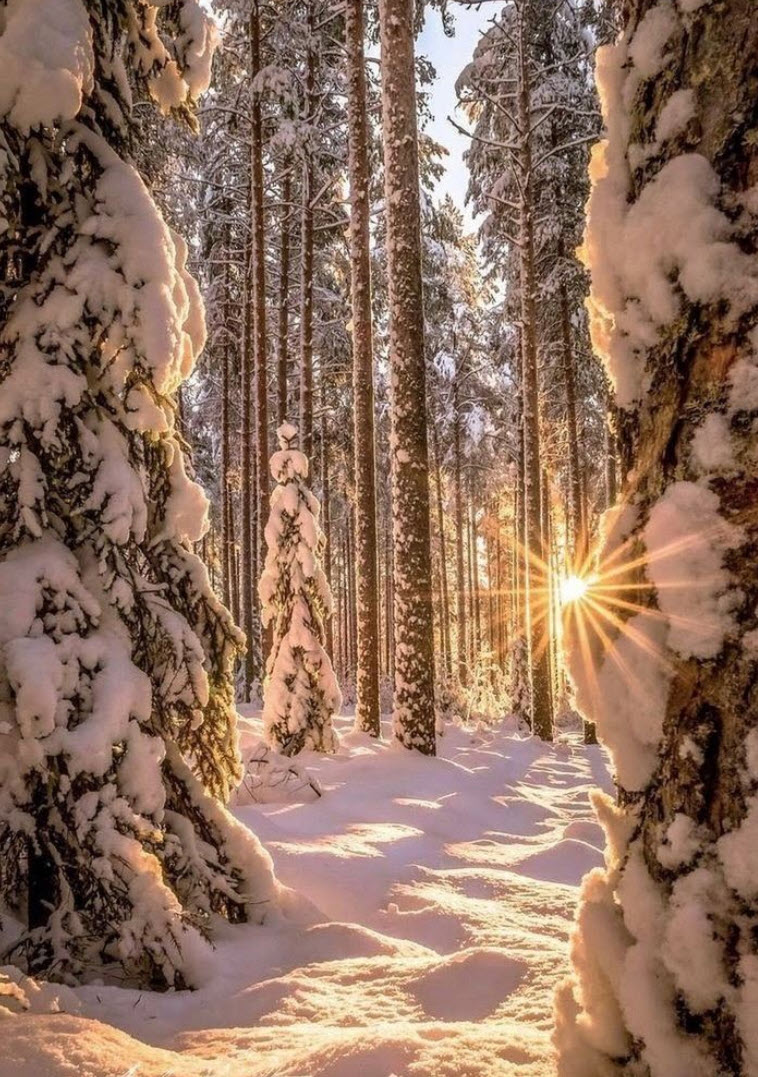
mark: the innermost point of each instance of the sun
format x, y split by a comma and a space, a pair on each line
573, 589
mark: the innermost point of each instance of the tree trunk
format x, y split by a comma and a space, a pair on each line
414, 713
536, 577
444, 595
307, 256
671, 928
247, 492
576, 537
258, 275
326, 515
282, 335
460, 567
367, 715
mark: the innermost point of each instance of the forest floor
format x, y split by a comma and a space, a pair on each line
444, 892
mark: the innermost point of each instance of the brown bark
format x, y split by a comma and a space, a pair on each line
414, 712
701, 773
444, 595
307, 255
282, 334
541, 710
258, 275
367, 715
460, 567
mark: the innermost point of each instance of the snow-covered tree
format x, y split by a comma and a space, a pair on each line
666, 947
300, 693
117, 724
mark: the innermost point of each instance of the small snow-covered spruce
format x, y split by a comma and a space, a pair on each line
665, 951
300, 693
117, 724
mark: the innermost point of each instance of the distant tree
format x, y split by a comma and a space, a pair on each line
300, 693
116, 705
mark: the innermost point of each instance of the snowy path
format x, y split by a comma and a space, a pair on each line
446, 890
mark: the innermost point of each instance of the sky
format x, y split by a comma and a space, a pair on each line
449, 56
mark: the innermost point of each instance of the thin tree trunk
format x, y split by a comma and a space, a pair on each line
444, 597
414, 712
536, 582
367, 715
283, 328
247, 491
576, 535
307, 256
459, 535
326, 515
258, 275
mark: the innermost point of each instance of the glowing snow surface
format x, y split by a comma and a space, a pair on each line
442, 896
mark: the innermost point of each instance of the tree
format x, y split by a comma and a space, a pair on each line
665, 953
116, 701
413, 708
367, 715
300, 694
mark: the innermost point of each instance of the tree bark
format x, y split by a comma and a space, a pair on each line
678, 905
414, 711
367, 717
307, 255
282, 345
258, 275
541, 710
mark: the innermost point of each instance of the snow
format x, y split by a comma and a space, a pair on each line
647, 47
673, 239
686, 538
437, 897
300, 692
47, 61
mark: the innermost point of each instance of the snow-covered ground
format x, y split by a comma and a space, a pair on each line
444, 891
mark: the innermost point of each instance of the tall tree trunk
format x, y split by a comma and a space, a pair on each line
247, 492
283, 299
665, 949
326, 514
258, 274
413, 712
576, 537
460, 567
226, 565
367, 715
307, 253
444, 595
541, 710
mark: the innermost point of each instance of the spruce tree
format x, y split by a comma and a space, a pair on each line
300, 694
118, 734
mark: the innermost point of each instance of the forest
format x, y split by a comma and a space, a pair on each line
378, 538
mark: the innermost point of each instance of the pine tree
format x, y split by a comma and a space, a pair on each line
665, 951
115, 690
300, 694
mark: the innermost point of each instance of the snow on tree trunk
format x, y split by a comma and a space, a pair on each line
367, 715
413, 708
117, 722
665, 952
300, 693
